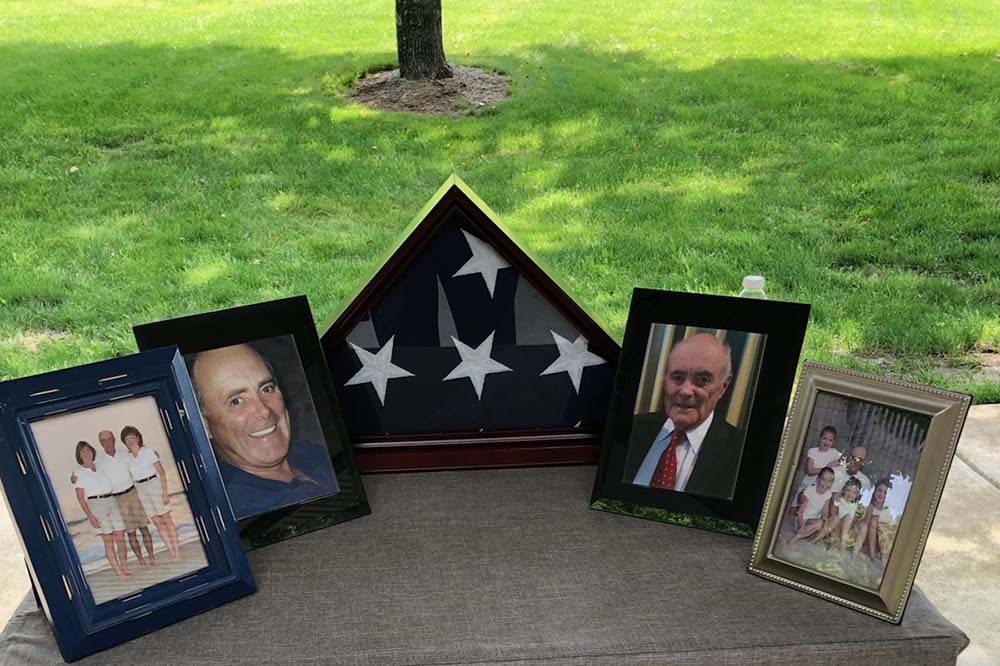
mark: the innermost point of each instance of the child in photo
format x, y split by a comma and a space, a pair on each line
824, 455
812, 505
840, 512
867, 530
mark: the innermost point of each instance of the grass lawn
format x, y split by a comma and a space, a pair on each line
849, 151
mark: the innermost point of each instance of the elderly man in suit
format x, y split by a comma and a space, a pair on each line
689, 448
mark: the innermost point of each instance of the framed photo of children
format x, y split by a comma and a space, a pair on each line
858, 479
698, 407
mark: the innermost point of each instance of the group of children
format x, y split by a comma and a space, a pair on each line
823, 510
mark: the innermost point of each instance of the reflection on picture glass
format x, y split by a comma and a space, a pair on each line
260, 416
850, 489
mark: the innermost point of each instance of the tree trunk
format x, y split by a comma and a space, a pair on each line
418, 40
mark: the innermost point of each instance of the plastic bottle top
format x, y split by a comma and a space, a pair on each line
753, 287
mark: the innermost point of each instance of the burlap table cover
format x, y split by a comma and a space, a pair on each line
511, 567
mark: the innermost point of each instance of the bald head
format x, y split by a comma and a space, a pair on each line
699, 371
859, 455
243, 408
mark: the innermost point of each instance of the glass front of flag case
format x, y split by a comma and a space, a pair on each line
462, 352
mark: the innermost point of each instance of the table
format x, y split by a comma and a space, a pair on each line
511, 568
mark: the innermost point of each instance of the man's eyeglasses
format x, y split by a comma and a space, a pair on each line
855, 459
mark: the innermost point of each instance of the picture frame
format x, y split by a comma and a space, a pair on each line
279, 336
458, 285
90, 604
897, 440
717, 372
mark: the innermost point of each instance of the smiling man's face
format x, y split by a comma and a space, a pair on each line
243, 408
698, 374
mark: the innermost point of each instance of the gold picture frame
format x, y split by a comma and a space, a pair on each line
906, 427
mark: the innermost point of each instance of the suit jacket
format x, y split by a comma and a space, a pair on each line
718, 463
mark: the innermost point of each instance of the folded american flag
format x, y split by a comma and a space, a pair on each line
461, 342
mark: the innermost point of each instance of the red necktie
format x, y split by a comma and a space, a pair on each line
665, 474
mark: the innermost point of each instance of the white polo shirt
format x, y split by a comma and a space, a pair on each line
142, 465
840, 477
93, 484
116, 469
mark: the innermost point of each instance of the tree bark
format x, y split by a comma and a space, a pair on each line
418, 40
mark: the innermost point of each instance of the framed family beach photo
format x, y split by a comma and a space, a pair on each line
698, 407
265, 396
857, 483
117, 499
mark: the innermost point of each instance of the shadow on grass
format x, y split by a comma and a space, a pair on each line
219, 175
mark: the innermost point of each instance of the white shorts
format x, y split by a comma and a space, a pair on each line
105, 509
151, 496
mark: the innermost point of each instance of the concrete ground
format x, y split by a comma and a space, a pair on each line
960, 570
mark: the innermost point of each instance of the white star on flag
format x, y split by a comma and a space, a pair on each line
573, 358
485, 261
377, 369
476, 363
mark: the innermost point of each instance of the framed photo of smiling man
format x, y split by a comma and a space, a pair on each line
698, 407
265, 397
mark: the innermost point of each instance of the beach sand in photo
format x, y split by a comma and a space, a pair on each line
105, 586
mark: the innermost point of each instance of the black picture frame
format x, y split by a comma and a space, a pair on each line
455, 205
784, 325
83, 623
251, 324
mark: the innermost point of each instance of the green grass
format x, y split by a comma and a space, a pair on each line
849, 151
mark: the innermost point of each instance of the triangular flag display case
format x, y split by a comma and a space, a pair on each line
460, 352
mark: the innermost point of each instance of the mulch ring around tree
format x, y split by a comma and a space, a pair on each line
469, 90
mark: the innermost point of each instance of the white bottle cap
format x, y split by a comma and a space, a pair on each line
753, 282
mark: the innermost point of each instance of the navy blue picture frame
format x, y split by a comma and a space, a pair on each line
82, 627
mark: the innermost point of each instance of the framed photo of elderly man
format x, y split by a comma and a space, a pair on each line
265, 396
117, 500
857, 483
698, 407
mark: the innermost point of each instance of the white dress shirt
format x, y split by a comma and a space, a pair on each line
686, 453
840, 477
116, 469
